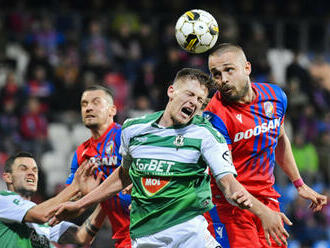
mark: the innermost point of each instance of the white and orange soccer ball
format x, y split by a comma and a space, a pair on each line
196, 31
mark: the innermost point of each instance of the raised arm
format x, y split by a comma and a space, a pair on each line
271, 220
118, 180
40, 213
285, 159
82, 182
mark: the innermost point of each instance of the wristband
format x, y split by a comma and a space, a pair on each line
298, 183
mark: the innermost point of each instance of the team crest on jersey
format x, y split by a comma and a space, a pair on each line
109, 147
154, 184
179, 140
269, 109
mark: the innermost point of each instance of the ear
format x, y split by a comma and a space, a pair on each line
113, 110
248, 68
7, 177
170, 91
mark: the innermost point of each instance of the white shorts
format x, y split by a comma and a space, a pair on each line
192, 233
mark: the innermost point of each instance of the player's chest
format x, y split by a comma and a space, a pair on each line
248, 123
166, 153
103, 153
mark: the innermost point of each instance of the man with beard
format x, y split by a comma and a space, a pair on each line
166, 155
21, 219
102, 149
251, 118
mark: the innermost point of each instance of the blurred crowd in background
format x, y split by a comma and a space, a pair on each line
51, 50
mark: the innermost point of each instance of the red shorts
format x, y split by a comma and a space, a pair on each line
123, 243
120, 221
243, 229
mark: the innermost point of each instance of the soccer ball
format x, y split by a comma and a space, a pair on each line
196, 31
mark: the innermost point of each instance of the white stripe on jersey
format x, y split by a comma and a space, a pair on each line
165, 153
190, 131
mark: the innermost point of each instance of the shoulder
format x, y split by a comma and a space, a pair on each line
141, 120
214, 103
8, 193
11, 201
83, 145
203, 123
117, 126
270, 89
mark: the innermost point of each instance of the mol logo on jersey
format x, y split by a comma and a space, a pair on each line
263, 128
152, 185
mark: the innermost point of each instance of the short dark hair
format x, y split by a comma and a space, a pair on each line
10, 161
225, 47
195, 74
108, 91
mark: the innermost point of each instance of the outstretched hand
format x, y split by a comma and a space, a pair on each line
318, 200
84, 177
272, 224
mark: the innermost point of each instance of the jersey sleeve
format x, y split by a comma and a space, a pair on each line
218, 124
123, 150
284, 103
13, 207
282, 98
74, 168
58, 230
216, 154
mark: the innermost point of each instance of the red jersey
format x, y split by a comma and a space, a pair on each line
104, 151
252, 132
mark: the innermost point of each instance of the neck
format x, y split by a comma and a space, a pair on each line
249, 96
26, 197
26, 194
166, 120
97, 132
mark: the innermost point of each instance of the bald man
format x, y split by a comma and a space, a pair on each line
251, 118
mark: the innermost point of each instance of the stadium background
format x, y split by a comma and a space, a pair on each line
51, 50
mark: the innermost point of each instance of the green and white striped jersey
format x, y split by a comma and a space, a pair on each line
16, 234
169, 170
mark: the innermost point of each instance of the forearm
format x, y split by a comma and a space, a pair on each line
118, 180
85, 234
40, 213
285, 159
229, 185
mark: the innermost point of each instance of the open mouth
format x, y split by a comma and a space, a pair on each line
30, 180
187, 111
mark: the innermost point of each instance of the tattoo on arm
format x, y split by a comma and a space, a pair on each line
70, 235
90, 228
